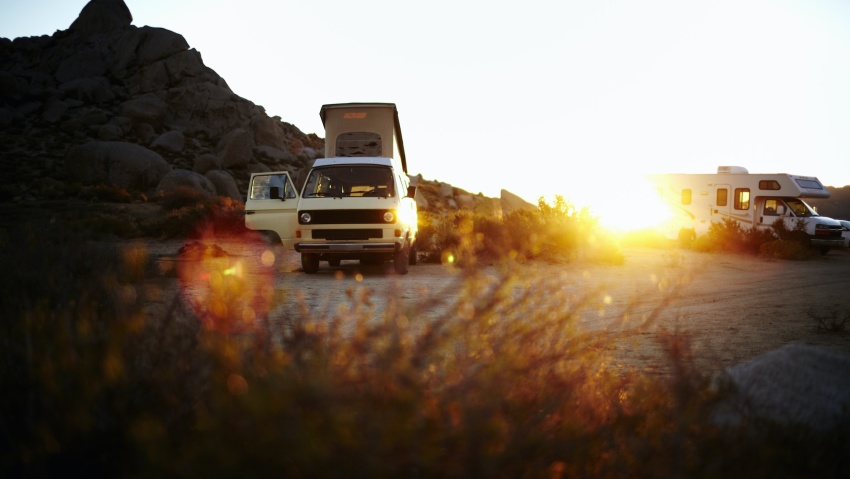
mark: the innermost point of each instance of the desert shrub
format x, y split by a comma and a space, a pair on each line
728, 235
784, 249
187, 211
111, 193
506, 382
554, 231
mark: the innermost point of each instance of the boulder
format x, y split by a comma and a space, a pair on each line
147, 108
224, 183
172, 141
511, 202
182, 179
102, 16
235, 148
83, 64
118, 163
205, 163
797, 384
91, 90
157, 44
277, 156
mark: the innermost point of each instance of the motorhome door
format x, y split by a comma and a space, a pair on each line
720, 207
272, 205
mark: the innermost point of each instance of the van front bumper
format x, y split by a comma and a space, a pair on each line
347, 248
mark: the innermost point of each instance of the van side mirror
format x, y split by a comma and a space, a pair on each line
274, 193
411, 191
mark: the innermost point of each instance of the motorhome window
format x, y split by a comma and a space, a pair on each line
742, 198
359, 143
769, 185
800, 207
809, 184
350, 180
722, 197
686, 196
261, 186
771, 207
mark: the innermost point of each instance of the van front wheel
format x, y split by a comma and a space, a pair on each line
402, 259
310, 263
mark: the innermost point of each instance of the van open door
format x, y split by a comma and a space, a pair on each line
272, 205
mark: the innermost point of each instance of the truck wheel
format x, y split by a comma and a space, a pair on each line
402, 260
310, 263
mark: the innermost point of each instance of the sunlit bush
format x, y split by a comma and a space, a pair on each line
506, 380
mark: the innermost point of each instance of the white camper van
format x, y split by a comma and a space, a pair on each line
357, 202
755, 200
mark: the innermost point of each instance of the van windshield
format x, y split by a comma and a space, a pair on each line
350, 180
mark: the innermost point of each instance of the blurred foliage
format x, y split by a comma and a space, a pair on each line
777, 242
505, 382
555, 232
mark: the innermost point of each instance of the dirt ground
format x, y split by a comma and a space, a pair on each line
732, 307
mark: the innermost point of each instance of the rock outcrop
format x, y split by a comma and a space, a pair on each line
109, 102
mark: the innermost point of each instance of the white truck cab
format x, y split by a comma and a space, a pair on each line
356, 203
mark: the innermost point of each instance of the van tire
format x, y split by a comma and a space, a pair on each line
412, 255
310, 263
402, 259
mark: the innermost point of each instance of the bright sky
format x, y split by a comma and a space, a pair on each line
539, 97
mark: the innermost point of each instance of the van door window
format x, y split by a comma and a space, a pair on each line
742, 198
261, 186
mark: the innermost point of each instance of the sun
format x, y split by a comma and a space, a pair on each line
628, 205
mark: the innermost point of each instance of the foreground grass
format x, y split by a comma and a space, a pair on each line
506, 383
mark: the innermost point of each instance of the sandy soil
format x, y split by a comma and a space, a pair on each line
732, 307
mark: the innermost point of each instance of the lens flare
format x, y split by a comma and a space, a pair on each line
227, 282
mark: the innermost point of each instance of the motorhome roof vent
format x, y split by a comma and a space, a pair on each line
734, 170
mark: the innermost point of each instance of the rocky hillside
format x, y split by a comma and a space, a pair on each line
107, 102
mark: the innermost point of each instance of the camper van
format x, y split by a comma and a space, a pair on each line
754, 200
356, 203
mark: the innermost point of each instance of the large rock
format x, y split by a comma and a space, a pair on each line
235, 148
147, 108
511, 202
102, 16
172, 141
797, 384
185, 179
118, 163
224, 183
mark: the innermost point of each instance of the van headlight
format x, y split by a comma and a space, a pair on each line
389, 216
306, 218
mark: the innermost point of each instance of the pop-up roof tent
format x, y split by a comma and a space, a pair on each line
363, 129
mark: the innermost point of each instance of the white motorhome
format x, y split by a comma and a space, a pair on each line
754, 200
357, 202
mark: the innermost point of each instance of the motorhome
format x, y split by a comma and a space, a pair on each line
754, 200
356, 203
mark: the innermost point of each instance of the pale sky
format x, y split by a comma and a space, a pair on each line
539, 97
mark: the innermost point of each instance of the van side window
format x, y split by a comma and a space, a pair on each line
261, 186
742, 198
686, 196
359, 143
722, 197
769, 185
